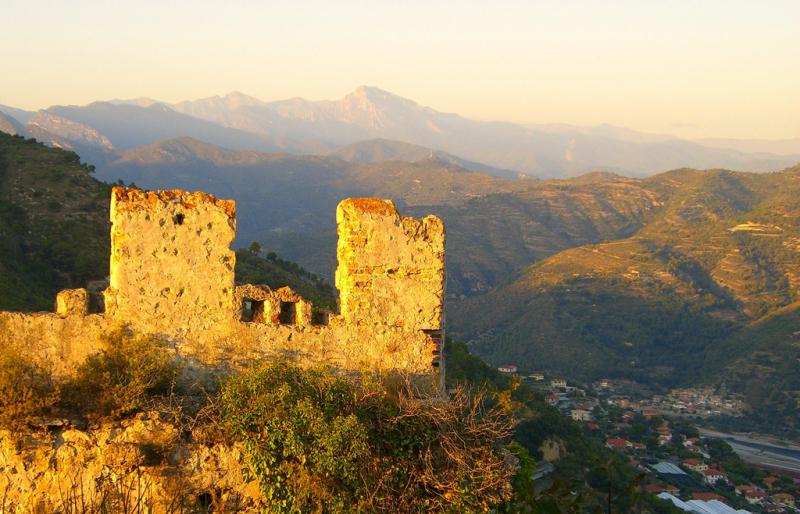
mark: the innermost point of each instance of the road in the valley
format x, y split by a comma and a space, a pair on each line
756, 450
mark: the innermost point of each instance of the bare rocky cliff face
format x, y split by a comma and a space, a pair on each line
9, 125
45, 122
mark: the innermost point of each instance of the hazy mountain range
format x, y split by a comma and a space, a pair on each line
300, 126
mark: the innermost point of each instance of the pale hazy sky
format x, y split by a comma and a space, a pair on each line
692, 68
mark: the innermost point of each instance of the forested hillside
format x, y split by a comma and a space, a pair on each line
54, 229
683, 278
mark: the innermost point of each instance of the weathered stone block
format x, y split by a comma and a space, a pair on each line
304, 313
72, 302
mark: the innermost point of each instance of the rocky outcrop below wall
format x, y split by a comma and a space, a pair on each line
142, 464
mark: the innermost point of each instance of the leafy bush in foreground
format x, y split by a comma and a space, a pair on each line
320, 442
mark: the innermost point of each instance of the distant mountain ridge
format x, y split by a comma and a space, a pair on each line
789, 147
68, 129
301, 126
370, 113
21, 115
130, 126
9, 125
380, 150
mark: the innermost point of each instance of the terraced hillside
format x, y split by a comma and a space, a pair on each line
685, 299
494, 236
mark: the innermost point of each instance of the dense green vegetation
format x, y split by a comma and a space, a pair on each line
761, 362
600, 329
316, 440
117, 381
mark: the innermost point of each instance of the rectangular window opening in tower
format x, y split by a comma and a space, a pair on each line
253, 311
288, 314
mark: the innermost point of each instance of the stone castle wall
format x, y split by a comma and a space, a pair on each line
172, 275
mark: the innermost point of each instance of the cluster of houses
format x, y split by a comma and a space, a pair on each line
700, 402
759, 496
679, 467
694, 482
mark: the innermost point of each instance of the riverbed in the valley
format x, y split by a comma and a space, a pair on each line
761, 451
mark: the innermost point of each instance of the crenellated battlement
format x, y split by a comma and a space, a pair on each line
171, 274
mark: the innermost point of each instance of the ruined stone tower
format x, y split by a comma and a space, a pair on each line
171, 264
391, 268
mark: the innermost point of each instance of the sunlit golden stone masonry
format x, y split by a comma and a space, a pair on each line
391, 268
172, 275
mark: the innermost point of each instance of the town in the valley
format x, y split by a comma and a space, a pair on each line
659, 436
